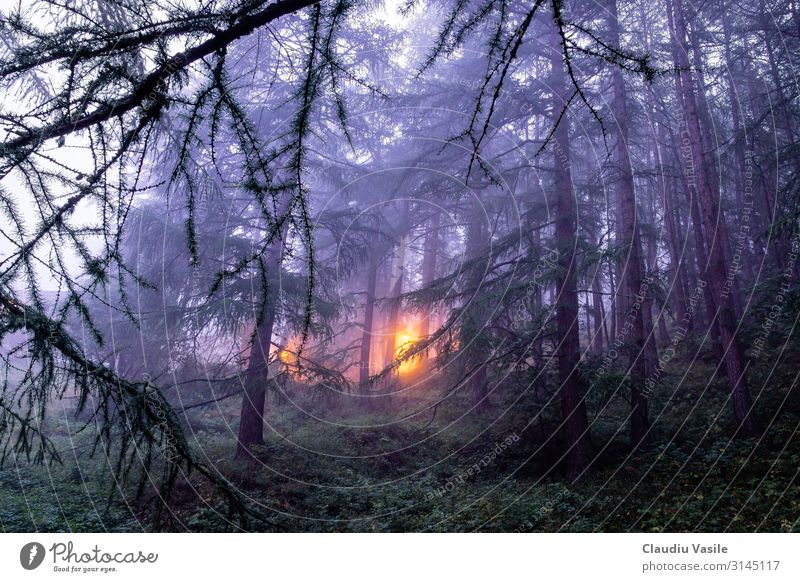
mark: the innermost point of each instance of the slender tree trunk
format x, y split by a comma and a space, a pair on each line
613, 290
633, 300
597, 308
737, 113
688, 178
595, 292
710, 163
395, 290
251, 419
744, 182
366, 337
429, 259
709, 202
575, 426
676, 251
587, 313
538, 302
782, 101
783, 114
473, 333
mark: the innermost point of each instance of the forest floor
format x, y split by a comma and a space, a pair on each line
483, 471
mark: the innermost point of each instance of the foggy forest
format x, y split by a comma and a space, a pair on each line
399, 265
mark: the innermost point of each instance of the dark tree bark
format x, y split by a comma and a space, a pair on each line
251, 420
631, 301
597, 308
711, 163
613, 290
575, 426
394, 282
744, 200
700, 255
366, 336
596, 294
429, 261
702, 187
676, 250
473, 336
396, 276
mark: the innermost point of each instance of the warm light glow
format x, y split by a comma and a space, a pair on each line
286, 357
402, 341
288, 354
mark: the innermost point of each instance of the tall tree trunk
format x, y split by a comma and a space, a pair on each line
395, 290
575, 426
676, 251
745, 185
429, 259
701, 258
709, 202
782, 101
597, 307
473, 335
710, 162
251, 419
595, 292
648, 306
628, 233
737, 113
784, 117
366, 337
613, 290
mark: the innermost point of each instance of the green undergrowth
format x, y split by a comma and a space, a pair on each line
466, 471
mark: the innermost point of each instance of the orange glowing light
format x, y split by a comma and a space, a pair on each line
288, 354
403, 340
286, 357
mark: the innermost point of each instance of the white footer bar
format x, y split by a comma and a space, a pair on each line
401, 557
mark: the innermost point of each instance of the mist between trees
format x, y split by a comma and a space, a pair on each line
250, 246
